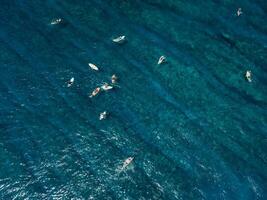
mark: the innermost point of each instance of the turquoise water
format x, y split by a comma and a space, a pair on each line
196, 127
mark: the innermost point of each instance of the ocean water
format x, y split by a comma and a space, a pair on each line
195, 127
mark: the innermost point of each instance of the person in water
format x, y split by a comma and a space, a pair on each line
114, 79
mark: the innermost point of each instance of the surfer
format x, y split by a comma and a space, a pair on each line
70, 82
56, 21
120, 39
103, 115
93, 66
106, 87
162, 59
95, 92
126, 163
248, 76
